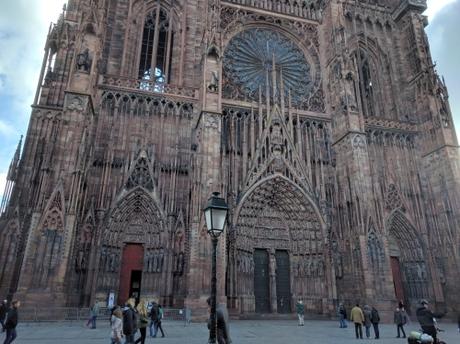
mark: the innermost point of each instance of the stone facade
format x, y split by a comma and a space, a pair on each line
323, 123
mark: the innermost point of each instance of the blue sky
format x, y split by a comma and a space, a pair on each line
24, 25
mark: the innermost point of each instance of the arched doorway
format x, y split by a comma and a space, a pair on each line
279, 254
408, 263
132, 250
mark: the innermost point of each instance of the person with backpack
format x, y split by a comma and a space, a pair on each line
375, 319
400, 319
130, 321
342, 313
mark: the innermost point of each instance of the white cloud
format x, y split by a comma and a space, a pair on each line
434, 6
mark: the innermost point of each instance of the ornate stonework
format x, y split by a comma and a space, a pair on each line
333, 147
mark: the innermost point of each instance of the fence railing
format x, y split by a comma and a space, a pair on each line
74, 314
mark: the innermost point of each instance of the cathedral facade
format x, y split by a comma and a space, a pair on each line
323, 124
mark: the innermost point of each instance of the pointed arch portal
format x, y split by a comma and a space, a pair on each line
408, 265
133, 248
279, 253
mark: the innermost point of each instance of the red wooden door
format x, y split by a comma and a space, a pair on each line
397, 279
132, 260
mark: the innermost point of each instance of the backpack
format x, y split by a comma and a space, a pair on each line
375, 318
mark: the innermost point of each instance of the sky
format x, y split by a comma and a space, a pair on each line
24, 25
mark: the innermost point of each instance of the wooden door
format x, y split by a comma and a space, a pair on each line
397, 279
131, 272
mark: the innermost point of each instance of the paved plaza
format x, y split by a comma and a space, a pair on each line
243, 332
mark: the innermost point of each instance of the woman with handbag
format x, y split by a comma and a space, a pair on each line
143, 321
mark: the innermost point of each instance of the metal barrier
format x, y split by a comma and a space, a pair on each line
70, 314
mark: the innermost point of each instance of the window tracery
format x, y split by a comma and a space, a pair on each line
249, 61
156, 50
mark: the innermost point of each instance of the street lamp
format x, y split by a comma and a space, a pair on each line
215, 214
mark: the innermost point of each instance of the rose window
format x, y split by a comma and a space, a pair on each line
248, 60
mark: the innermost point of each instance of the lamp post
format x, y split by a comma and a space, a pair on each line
215, 214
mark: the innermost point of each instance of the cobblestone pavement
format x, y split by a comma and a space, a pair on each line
243, 332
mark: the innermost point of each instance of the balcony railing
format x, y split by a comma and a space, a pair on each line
148, 86
308, 9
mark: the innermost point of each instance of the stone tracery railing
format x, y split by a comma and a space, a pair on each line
148, 86
308, 9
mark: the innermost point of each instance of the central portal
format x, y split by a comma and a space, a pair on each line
131, 273
281, 291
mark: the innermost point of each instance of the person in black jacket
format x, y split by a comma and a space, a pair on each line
426, 319
3, 311
129, 321
375, 319
223, 333
11, 323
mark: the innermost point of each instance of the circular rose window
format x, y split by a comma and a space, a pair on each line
248, 59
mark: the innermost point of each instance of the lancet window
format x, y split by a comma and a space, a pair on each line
367, 84
156, 51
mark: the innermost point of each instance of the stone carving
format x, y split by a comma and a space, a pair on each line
76, 103
84, 61
213, 85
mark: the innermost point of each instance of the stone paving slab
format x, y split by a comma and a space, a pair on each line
243, 332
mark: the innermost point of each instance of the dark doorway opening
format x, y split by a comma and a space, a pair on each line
261, 281
283, 283
131, 272
135, 285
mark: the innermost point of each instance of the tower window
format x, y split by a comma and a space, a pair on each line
366, 85
156, 51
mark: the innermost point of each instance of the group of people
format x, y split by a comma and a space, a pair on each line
126, 321
9, 320
367, 316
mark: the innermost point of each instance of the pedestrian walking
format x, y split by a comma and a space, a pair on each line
300, 308
367, 320
400, 319
129, 321
154, 311
357, 317
116, 324
94, 311
426, 318
342, 313
375, 319
3, 311
11, 322
143, 321
223, 331
160, 317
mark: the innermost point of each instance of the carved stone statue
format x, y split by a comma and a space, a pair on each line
214, 84
84, 61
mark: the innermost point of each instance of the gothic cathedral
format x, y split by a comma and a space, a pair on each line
323, 124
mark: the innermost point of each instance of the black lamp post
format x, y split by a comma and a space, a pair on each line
215, 214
